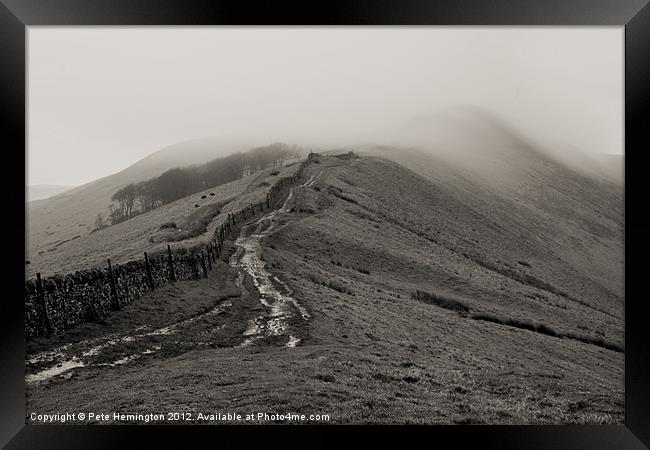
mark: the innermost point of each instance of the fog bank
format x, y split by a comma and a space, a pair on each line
102, 98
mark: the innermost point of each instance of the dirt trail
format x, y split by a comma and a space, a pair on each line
272, 320
274, 294
113, 349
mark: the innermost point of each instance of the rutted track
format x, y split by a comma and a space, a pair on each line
274, 294
124, 347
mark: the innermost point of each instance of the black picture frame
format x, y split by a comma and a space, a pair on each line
634, 15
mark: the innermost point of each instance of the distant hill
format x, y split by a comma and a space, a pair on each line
43, 191
470, 154
574, 206
471, 137
73, 212
144, 232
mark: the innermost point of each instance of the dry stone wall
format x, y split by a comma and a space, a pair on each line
62, 302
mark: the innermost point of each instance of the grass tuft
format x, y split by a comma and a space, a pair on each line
443, 301
547, 330
517, 323
359, 269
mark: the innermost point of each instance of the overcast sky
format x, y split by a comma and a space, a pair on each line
102, 98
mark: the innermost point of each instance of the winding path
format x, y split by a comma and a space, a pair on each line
124, 347
274, 294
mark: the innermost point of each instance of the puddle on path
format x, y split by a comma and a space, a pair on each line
69, 356
274, 294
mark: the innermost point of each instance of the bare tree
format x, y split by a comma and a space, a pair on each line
116, 214
99, 222
126, 198
183, 181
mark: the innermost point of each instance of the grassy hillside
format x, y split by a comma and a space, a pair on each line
73, 212
150, 231
537, 208
371, 215
42, 191
432, 297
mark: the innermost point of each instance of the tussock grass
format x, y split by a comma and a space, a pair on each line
359, 269
343, 289
599, 342
347, 198
195, 225
524, 278
332, 284
547, 330
58, 244
517, 323
336, 192
363, 215
443, 301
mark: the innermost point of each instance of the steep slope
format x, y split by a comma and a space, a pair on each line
72, 213
42, 191
478, 139
578, 219
414, 234
514, 314
145, 232
504, 330
571, 207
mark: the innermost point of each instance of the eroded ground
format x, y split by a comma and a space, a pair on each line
312, 313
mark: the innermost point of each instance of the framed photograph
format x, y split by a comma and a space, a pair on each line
426, 216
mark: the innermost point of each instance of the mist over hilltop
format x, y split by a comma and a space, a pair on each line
477, 139
122, 94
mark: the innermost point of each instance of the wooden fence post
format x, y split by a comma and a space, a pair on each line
111, 277
149, 277
41, 299
172, 275
205, 269
194, 268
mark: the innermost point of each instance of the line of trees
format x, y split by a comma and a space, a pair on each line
137, 198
